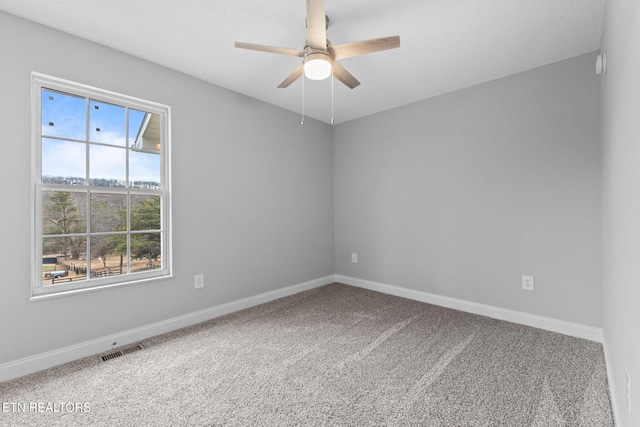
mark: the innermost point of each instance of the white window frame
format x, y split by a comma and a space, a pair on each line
38, 291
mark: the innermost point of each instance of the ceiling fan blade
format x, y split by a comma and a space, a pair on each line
349, 50
341, 74
316, 24
292, 77
270, 49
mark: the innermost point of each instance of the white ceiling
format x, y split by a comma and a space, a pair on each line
446, 45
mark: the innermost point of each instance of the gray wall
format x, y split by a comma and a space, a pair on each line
252, 194
462, 194
621, 201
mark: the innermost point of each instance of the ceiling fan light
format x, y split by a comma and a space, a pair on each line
317, 66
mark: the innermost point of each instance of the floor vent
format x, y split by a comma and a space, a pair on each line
121, 352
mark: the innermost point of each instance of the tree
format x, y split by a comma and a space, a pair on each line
118, 242
146, 216
147, 246
105, 217
61, 216
100, 248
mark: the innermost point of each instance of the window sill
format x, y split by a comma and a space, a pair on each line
64, 293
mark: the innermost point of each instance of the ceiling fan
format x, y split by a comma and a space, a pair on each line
319, 57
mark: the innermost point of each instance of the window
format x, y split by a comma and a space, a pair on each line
101, 182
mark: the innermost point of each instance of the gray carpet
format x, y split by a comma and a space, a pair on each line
336, 355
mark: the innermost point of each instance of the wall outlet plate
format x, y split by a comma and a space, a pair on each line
528, 283
198, 281
354, 258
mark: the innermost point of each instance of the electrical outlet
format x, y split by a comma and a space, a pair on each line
198, 281
628, 392
354, 258
528, 283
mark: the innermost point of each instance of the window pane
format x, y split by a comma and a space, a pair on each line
136, 118
107, 123
108, 255
107, 167
63, 115
64, 212
145, 213
144, 135
108, 212
63, 162
146, 251
62, 260
144, 169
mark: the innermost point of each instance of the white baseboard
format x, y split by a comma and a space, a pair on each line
612, 384
49, 359
546, 323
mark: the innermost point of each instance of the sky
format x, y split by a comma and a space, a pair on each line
65, 116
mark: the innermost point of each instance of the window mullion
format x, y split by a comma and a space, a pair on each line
88, 255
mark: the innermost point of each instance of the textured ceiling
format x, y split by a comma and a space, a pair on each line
446, 45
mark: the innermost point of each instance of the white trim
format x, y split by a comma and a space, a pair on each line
108, 96
40, 82
52, 358
568, 328
612, 384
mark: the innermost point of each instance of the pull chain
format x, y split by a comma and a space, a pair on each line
332, 121
302, 121
332, 99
